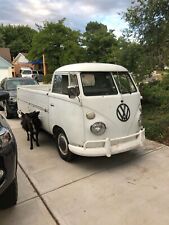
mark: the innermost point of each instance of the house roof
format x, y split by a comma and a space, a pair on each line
4, 63
19, 55
24, 53
5, 53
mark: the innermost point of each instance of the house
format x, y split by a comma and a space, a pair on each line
20, 61
20, 58
5, 68
5, 63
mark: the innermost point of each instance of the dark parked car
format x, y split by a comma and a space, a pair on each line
8, 162
10, 85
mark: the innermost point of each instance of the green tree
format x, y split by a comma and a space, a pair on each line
2, 41
149, 22
98, 42
60, 44
17, 38
132, 56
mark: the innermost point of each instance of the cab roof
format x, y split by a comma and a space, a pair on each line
87, 67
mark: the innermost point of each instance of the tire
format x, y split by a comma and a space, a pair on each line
1, 108
63, 146
9, 197
6, 111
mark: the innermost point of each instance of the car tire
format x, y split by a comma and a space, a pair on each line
63, 146
1, 108
6, 111
9, 197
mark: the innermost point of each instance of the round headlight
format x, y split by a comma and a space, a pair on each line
5, 137
98, 128
90, 115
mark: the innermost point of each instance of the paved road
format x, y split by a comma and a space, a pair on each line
126, 189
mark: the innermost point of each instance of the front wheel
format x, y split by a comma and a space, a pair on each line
63, 146
9, 197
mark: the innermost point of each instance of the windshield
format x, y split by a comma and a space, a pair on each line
124, 82
12, 84
98, 83
103, 83
35, 72
26, 72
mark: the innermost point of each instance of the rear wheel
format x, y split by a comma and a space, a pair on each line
63, 146
9, 197
8, 115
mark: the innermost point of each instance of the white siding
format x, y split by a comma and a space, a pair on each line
5, 69
5, 72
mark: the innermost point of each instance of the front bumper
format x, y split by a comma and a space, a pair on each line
110, 147
12, 107
8, 164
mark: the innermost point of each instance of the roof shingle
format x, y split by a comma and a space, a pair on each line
5, 53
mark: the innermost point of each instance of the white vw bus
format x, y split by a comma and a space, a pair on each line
92, 109
105, 111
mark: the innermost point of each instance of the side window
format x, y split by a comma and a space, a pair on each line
73, 81
60, 84
2, 84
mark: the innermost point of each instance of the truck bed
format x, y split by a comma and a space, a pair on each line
33, 97
41, 87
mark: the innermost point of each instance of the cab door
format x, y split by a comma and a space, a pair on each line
65, 112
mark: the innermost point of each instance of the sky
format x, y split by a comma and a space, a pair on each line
77, 12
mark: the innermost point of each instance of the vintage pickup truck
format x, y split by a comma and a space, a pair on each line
91, 109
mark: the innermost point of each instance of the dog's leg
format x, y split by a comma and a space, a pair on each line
31, 141
27, 135
34, 137
37, 139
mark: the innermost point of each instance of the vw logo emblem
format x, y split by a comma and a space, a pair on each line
123, 112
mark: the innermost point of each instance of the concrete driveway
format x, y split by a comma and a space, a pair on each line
126, 189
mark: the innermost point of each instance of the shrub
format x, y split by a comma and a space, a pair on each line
47, 78
155, 94
156, 110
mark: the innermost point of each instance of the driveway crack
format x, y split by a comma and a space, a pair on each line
39, 195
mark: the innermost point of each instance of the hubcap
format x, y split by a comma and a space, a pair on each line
62, 144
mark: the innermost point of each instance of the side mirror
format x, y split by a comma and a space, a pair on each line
73, 91
4, 95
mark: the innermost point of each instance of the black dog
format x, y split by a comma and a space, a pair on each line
32, 125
